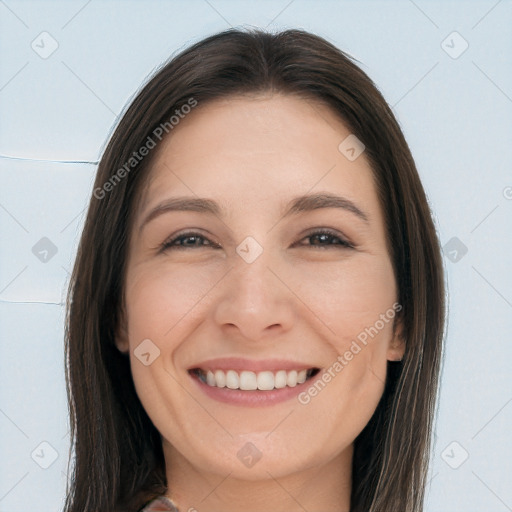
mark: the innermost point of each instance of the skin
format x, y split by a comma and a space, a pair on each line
296, 301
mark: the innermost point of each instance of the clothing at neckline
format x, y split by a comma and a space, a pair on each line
160, 504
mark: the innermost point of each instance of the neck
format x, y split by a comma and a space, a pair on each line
324, 488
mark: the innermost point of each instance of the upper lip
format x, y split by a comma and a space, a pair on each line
241, 364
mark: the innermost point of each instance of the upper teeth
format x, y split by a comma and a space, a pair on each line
247, 381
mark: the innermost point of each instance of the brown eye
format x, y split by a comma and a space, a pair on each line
189, 240
322, 238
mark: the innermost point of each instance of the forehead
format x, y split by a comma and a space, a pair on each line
252, 150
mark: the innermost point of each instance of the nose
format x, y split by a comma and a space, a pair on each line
255, 300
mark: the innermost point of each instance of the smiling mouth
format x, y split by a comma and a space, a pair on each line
251, 381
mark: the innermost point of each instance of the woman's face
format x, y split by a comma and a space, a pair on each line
252, 295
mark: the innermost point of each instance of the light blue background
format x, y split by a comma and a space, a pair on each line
56, 115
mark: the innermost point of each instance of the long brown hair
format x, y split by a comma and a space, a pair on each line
118, 458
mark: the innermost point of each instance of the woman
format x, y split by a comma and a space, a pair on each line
256, 311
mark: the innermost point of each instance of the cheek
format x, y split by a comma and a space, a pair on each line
161, 304
356, 302
162, 299
350, 296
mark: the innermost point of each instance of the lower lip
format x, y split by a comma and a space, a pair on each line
253, 398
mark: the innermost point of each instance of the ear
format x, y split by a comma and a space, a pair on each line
396, 348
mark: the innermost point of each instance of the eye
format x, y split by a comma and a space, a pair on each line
186, 241
193, 240
325, 235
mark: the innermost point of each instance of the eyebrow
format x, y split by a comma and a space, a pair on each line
297, 205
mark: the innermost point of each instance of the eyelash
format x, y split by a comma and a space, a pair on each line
344, 244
